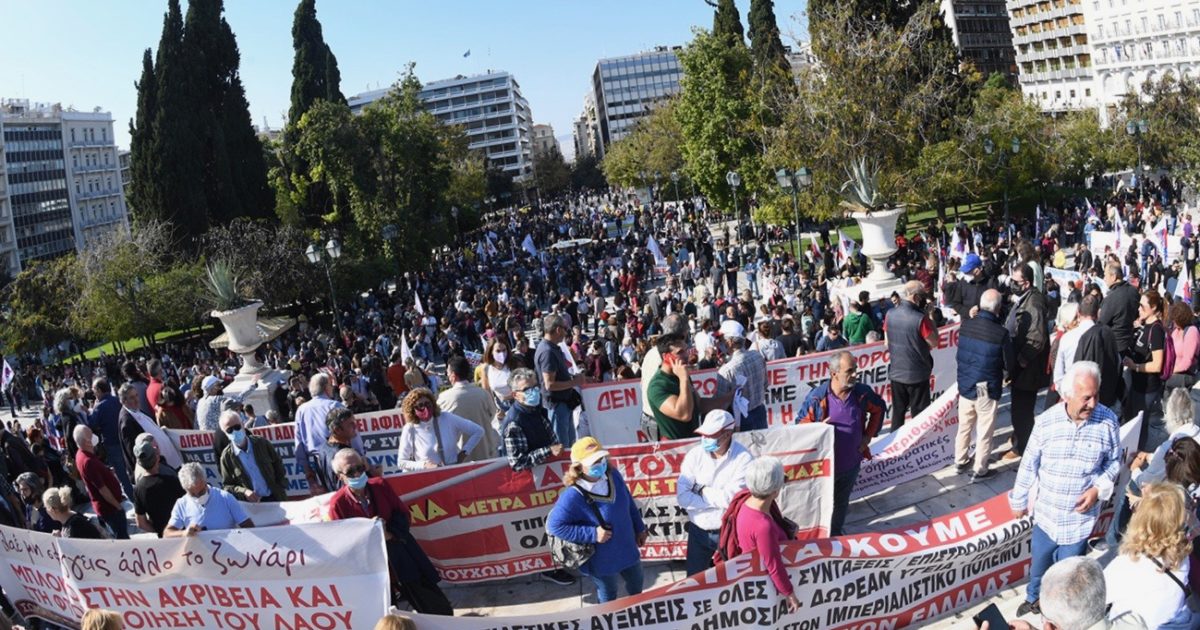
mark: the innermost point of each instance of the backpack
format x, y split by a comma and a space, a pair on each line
1168, 366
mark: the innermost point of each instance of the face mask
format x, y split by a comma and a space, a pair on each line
533, 397
357, 483
202, 500
423, 414
598, 469
95, 440
500, 357
238, 436
709, 444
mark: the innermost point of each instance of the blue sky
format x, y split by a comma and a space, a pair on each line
88, 54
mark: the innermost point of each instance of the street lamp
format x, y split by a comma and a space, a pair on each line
795, 181
734, 180
675, 180
1137, 129
989, 148
656, 192
331, 252
454, 213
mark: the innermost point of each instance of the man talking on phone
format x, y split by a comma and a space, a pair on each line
670, 393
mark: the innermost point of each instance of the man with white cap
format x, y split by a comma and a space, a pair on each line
747, 371
208, 409
711, 474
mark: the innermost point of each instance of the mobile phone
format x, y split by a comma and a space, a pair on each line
670, 360
992, 616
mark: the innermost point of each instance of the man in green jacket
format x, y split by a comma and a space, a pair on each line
856, 325
250, 468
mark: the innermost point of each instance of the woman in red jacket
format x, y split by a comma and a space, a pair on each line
413, 575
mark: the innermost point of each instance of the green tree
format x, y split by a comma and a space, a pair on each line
1081, 148
315, 72
586, 174
771, 67
653, 146
1171, 109
269, 259
715, 115
550, 173
727, 22
39, 302
143, 193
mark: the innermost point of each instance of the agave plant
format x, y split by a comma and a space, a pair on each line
222, 285
861, 192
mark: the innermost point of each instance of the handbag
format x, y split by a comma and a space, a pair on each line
1193, 600
571, 555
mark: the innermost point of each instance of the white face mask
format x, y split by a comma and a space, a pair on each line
500, 357
202, 500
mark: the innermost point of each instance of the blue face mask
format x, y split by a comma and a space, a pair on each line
533, 397
238, 436
598, 469
709, 444
357, 483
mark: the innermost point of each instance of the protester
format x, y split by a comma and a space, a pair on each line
1185, 339
970, 287
98, 619
909, 335
1149, 576
1026, 323
104, 421
601, 511
311, 429
711, 474
412, 574
133, 423
343, 429
203, 508
554, 377
1120, 307
856, 413
395, 622
251, 469
71, 523
155, 493
1074, 453
208, 409
31, 489
102, 484
1145, 361
529, 437
432, 437
758, 523
671, 395
984, 357
467, 400
1098, 344
1180, 420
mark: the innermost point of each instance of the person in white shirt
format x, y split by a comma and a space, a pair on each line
1150, 574
1179, 416
432, 437
711, 474
1069, 342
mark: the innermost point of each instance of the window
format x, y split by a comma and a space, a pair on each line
1087, 92
1072, 93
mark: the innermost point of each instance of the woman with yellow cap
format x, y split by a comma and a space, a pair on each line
597, 509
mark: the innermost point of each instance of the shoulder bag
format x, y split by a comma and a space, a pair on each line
570, 555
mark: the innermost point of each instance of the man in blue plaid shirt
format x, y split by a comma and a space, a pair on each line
1074, 453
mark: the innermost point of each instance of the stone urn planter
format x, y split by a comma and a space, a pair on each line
879, 239
244, 334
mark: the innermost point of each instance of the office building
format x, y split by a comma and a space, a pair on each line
490, 109
626, 89
123, 161
981, 32
1138, 41
587, 129
63, 179
1054, 55
544, 142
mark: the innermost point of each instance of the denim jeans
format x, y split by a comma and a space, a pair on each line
606, 585
701, 545
1045, 553
755, 419
118, 524
564, 423
843, 484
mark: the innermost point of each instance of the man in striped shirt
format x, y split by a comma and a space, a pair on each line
1074, 453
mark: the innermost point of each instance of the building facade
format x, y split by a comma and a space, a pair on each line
587, 129
982, 34
1053, 52
626, 89
490, 109
63, 179
1135, 41
544, 142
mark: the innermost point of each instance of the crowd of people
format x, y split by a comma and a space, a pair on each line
484, 353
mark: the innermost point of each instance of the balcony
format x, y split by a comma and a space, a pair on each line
95, 194
89, 143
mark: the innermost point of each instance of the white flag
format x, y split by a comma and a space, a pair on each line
1183, 285
659, 259
405, 352
7, 376
417, 304
527, 245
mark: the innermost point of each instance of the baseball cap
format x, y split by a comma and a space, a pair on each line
145, 453
209, 382
715, 421
587, 451
732, 328
970, 263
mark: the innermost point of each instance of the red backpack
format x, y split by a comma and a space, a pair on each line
727, 541
1168, 366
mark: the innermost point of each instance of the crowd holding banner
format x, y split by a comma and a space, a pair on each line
320, 575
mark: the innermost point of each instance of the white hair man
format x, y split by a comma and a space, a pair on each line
1074, 454
311, 430
250, 467
203, 507
102, 484
985, 354
711, 474
1075, 597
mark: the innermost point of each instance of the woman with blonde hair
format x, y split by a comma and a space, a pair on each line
97, 619
1149, 577
395, 622
432, 437
74, 525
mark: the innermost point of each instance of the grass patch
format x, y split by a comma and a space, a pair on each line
132, 345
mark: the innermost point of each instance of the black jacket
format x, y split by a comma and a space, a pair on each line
1118, 311
1027, 325
968, 293
1099, 345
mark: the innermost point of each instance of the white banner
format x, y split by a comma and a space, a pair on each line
924, 444
323, 575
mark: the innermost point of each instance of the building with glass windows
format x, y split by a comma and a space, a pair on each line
625, 89
61, 178
489, 107
982, 34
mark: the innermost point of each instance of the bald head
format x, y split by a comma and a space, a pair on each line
911, 290
83, 438
990, 301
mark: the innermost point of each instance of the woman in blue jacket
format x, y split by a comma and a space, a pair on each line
596, 508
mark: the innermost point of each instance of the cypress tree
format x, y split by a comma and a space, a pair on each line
315, 73
144, 199
175, 146
770, 59
727, 22
248, 165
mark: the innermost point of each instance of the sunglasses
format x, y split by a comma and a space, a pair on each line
423, 405
354, 471
233, 427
